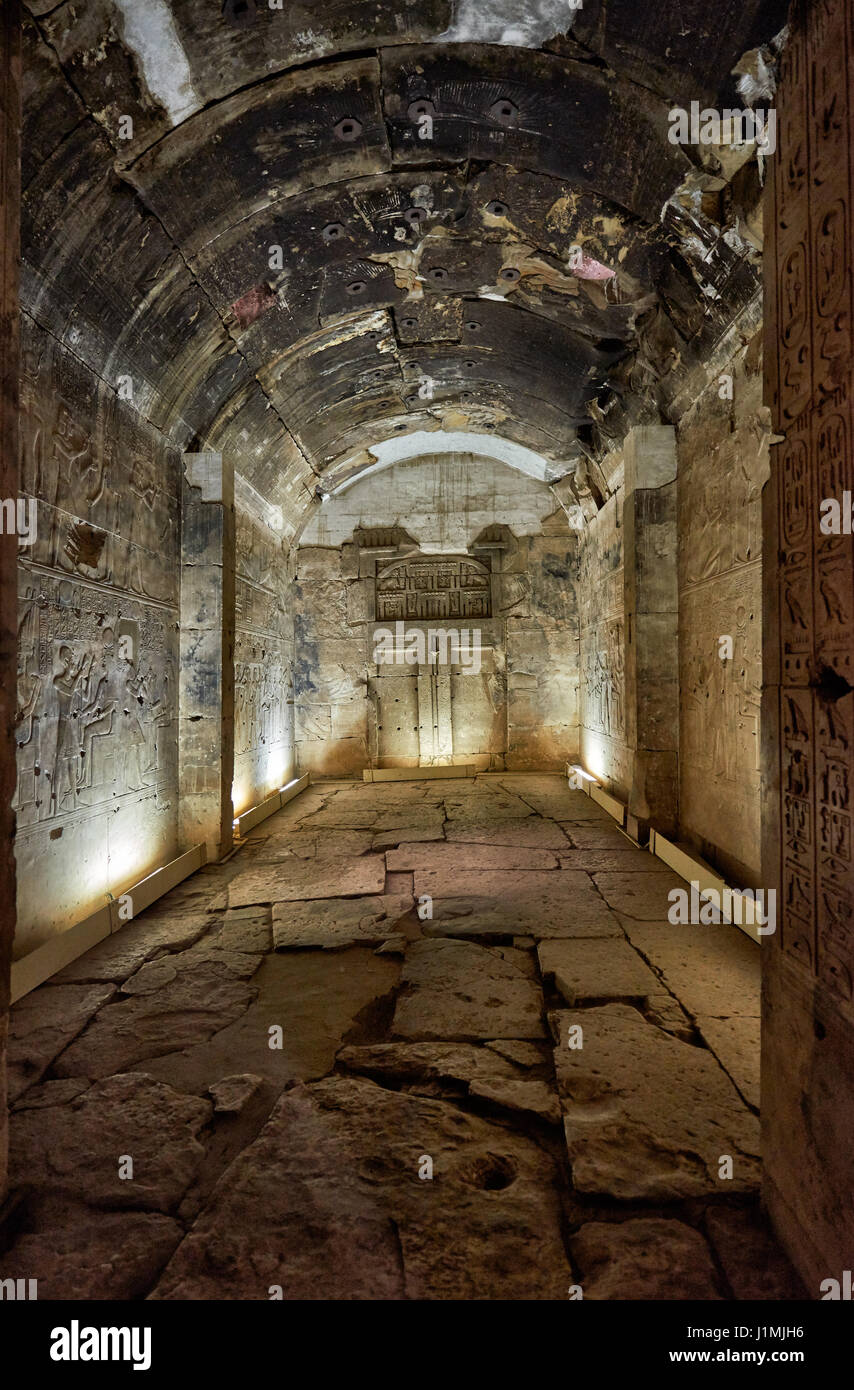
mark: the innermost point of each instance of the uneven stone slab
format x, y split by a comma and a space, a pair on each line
666, 1012
127, 949
106, 1255
535, 832
424, 820
645, 1258
245, 929
475, 808
338, 922
471, 918
357, 817
714, 971
307, 844
452, 858
537, 903
335, 1172
455, 989
196, 1004
752, 1260
300, 880
43, 1023
736, 1044
568, 806
389, 839
76, 1148
639, 895
231, 1093
482, 1073
620, 861
152, 976
646, 1116
51, 1093
591, 969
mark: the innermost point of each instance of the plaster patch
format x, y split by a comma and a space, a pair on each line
149, 31
508, 22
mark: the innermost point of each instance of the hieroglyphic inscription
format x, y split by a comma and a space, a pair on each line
433, 588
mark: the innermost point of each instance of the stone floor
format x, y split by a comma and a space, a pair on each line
413, 1040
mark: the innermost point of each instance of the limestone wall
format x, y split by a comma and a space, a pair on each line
98, 645
263, 665
602, 713
519, 710
723, 463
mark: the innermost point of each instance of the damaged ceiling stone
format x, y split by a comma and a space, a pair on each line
302, 241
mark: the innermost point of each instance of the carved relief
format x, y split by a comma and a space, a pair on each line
433, 588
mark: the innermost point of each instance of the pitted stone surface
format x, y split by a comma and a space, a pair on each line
43, 1024
335, 1171
539, 903
337, 922
438, 1068
639, 895
451, 858
646, 1258
101, 1255
646, 1116
455, 989
76, 1148
299, 880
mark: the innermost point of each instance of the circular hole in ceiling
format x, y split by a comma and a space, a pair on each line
348, 129
332, 231
409, 323
357, 287
509, 272
437, 273
497, 209
414, 215
503, 111
470, 365
472, 326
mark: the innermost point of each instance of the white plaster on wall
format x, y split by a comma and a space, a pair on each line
443, 501
150, 33
421, 442
509, 22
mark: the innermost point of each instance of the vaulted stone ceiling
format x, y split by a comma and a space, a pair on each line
546, 257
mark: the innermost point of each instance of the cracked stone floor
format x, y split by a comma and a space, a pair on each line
286, 1075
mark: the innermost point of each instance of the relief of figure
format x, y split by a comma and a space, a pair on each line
101, 698
65, 762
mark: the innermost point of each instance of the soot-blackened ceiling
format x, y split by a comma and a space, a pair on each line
483, 225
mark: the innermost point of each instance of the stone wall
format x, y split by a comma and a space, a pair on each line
97, 645
519, 709
602, 714
263, 665
723, 463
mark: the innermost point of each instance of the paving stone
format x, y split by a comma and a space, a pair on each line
645, 1258
245, 929
75, 1148
231, 1093
451, 858
360, 817
591, 970
524, 1054
394, 946
620, 861
468, 810
456, 989
197, 1003
300, 880
106, 1255
388, 839
667, 1013
539, 903
713, 970
486, 1075
426, 820
338, 922
126, 950
335, 1172
151, 977
639, 895
593, 834
646, 1116
752, 1260
51, 1093
43, 1023
736, 1044
535, 832
307, 844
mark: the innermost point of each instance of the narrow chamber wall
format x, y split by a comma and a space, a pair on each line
519, 709
97, 782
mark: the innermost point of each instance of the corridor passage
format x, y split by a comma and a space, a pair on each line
413, 1040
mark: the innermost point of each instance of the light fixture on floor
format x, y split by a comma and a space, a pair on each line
581, 772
